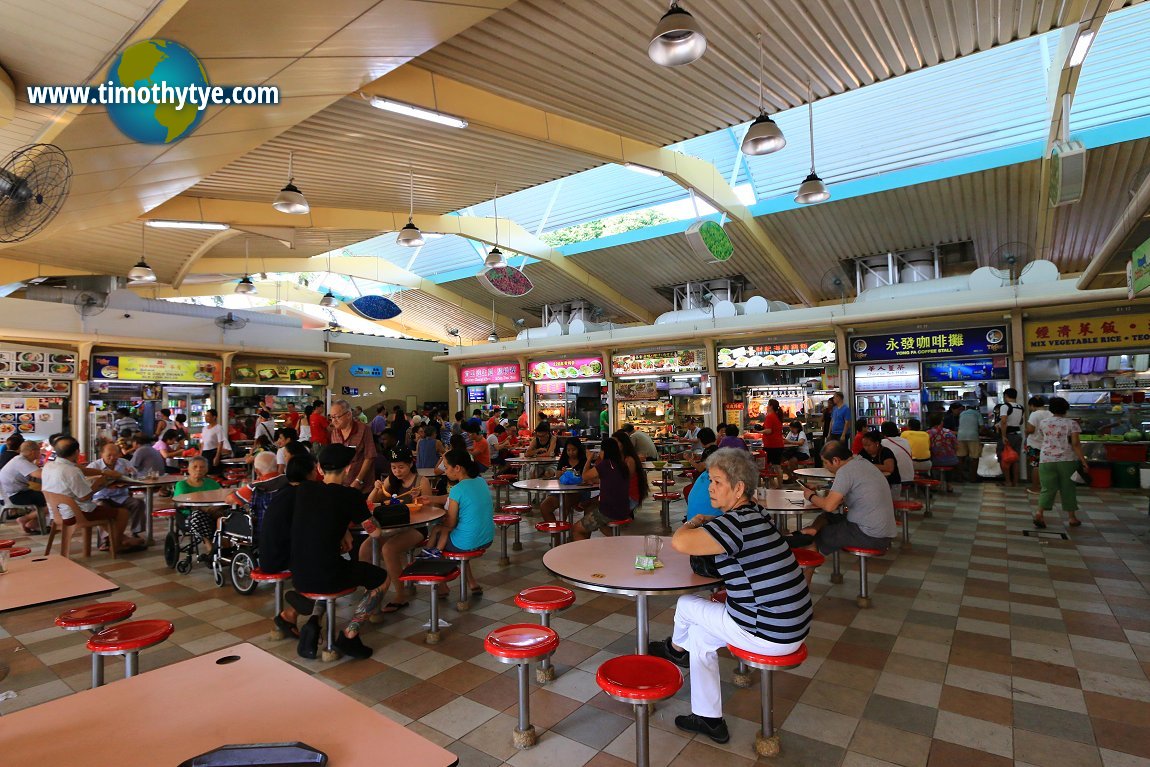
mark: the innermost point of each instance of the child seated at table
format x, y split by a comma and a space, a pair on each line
200, 523
575, 460
469, 524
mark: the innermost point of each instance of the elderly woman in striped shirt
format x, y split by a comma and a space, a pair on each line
768, 607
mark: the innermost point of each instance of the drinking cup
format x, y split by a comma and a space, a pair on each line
652, 545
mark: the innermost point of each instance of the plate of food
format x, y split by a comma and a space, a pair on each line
27, 427
109, 371
26, 417
30, 367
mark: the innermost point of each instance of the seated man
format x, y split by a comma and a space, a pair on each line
268, 479
869, 520
320, 536
14, 483
63, 477
147, 459
113, 494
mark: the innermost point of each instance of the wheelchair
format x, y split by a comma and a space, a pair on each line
180, 548
234, 550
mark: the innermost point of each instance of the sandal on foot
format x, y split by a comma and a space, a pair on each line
1074, 523
393, 607
477, 591
1039, 522
288, 628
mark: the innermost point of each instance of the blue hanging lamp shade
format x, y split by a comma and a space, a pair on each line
375, 308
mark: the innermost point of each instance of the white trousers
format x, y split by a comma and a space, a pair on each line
703, 626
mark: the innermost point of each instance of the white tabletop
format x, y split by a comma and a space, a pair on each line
608, 564
166, 479
258, 698
39, 580
786, 501
667, 466
551, 486
815, 473
539, 459
221, 497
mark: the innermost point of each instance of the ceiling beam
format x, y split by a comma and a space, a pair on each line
12, 270
512, 237
414, 85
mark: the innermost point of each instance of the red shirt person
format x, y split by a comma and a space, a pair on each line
319, 428
348, 430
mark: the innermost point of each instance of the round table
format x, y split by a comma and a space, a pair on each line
815, 473
524, 463
221, 497
150, 485
555, 487
608, 565
425, 515
784, 503
668, 469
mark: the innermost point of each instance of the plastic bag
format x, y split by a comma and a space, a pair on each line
1009, 455
570, 478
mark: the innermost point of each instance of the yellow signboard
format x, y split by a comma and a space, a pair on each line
1085, 335
165, 369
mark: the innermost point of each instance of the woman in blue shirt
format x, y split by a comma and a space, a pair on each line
469, 524
699, 499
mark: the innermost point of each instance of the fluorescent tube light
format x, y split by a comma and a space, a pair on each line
418, 112
642, 169
161, 224
1081, 48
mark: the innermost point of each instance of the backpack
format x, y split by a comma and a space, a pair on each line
1010, 408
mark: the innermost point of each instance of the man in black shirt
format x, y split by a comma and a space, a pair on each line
318, 522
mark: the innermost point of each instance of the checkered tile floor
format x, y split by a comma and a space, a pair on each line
984, 647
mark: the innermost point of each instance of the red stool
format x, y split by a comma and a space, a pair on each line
329, 653
557, 530
664, 483
94, 618
498, 484
767, 742
640, 680
430, 572
464, 559
521, 510
863, 555
521, 643
808, 559
19, 551
904, 508
127, 639
168, 514
927, 485
617, 526
665, 511
504, 521
542, 601
7, 544
260, 576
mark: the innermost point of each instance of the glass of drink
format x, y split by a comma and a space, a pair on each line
3, 561
652, 545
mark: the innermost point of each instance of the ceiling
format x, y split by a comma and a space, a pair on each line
584, 61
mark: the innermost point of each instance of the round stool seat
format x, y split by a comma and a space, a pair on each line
755, 660
861, 552
504, 520
7, 544
163, 513
808, 558
544, 599
908, 505
331, 595
719, 596
516, 508
667, 496
426, 578
663, 483
927, 482
498, 482
261, 575
19, 551
89, 617
620, 522
553, 527
130, 637
639, 678
521, 641
460, 555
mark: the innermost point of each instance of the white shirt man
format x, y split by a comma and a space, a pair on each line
14, 475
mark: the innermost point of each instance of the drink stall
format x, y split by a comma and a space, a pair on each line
658, 391
568, 391
273, 384
495, 385
796, 373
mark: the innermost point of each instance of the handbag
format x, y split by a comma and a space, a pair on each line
391, 514
1009, 455
705, 566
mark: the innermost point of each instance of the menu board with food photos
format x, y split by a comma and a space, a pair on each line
166, 369
37, 363
656, 363
784, 355
275, 372
29, 415
574, 367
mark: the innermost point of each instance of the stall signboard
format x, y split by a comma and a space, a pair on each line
37, 363
960, 342
656, 363
982, 369
1140, 269
165, 369
550, 387
1084, 335
572, 367
784, 355
636, 390
273, 372
367, 371
474, 375
476, 394
894, 376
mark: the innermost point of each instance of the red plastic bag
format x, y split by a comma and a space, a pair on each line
1009, 456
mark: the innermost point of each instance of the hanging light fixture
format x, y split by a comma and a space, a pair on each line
410, 236
677, 40
141, 272
493, 336
495, 258
812, 189
245, 286
763, 136
329, 301
291, 199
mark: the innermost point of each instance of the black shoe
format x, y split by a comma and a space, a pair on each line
308, 646
664, 649
800, 540
299, 602
692, 723
353, 647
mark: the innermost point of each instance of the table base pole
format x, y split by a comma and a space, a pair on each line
641, 621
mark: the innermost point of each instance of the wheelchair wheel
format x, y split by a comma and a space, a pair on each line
171, 549
242, 566
184, 566
218, 571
